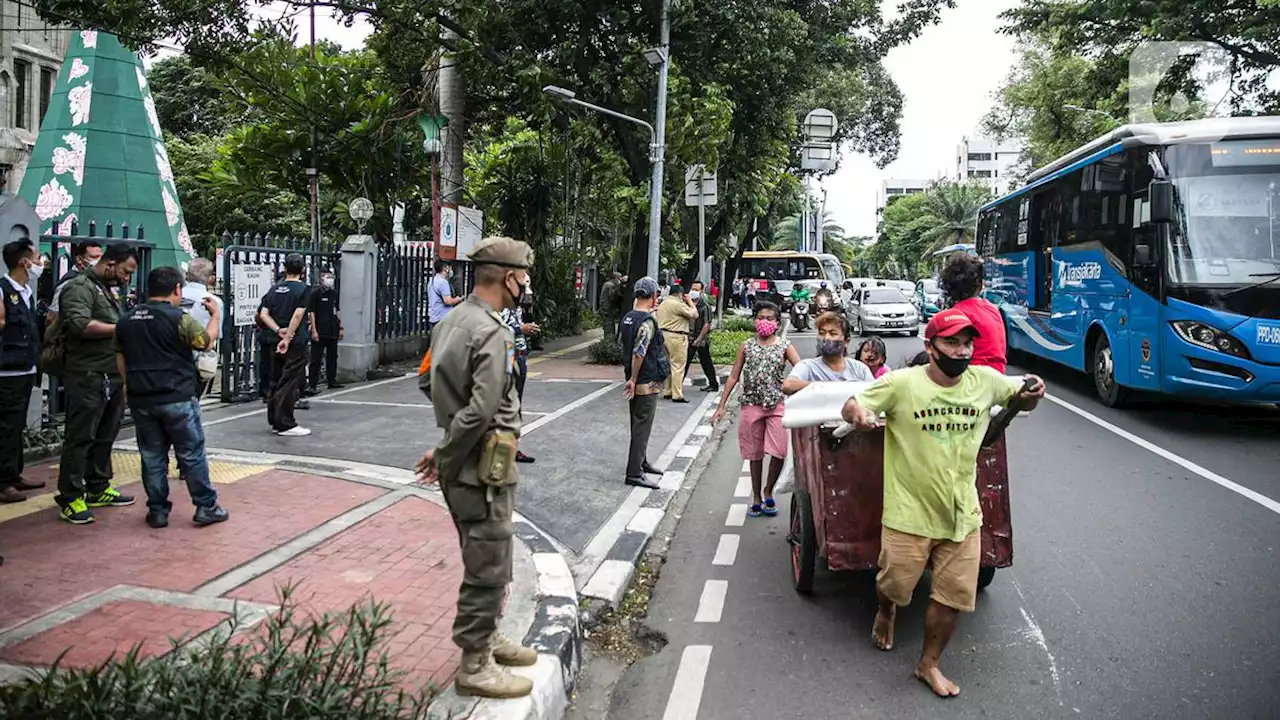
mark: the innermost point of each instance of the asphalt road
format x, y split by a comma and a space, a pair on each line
1145, 585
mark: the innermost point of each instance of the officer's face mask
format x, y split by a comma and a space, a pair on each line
521, 287
34, 270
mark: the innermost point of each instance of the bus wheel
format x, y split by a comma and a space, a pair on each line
1109, 391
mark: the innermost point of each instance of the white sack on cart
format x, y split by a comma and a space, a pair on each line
819, 403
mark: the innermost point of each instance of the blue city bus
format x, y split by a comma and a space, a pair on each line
1147, 258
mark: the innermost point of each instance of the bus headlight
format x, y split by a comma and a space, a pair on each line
1209, 338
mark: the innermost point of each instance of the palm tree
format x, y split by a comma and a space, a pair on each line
951, 210
786, 235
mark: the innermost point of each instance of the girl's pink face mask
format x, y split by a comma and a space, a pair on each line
766, 327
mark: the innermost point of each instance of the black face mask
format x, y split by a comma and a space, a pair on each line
518, 296
951, 367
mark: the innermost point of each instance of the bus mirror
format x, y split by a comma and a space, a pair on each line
1161, 199
1142, 254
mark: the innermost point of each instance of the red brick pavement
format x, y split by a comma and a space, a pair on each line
114, 628
49, 563
407, 556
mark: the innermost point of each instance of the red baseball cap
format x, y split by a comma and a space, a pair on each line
948, 323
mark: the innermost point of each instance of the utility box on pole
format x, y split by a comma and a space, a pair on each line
700, 191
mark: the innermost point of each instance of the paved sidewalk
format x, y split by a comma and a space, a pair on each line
99, 589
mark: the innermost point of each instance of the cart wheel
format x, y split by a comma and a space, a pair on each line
804, 542
985, 576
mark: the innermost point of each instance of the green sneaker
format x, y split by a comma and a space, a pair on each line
109, 498
77, 512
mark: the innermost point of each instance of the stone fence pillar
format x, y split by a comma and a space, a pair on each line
358, 297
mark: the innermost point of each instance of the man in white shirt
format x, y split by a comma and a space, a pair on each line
200, 278
19, 351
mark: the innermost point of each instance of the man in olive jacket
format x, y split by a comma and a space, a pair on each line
88, 313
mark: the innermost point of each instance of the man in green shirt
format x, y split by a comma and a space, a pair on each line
935, 417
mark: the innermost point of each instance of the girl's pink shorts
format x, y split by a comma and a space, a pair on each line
760, 432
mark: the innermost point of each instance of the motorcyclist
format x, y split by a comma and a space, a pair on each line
799, 292
824, 299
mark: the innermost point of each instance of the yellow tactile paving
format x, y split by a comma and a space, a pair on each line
128, 469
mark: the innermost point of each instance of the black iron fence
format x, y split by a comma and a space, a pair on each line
402, 306
250, 266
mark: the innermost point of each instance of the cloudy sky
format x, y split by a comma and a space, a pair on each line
947, 76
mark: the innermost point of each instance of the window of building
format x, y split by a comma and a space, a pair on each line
22, 69
979, 173
47, 77
979, 157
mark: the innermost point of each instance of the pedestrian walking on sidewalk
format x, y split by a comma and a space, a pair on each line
761, 365
699, 333
647, 368
935, 418
326, 333
87, 316
198, 288
154, 345
19, 352
286, 312
477, 404
676, 315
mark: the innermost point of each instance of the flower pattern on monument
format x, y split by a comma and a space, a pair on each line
150, 105
142, 78
170, 207
78, 99
53, 200
89, 38
78, 69
162, 163
70, 159
184, 240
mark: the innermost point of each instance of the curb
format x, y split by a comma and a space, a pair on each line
555, 633
611, 580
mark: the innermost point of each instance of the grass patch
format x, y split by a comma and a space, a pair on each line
725, 344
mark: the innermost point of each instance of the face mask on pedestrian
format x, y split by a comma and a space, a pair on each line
952, 367
766, 327
830, 348
521, 287
34, 270
695, 294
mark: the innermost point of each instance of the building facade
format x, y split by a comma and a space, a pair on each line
894, 188
992, 163
31, 53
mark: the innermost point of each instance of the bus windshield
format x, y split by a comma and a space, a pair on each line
793, 267
1230, 212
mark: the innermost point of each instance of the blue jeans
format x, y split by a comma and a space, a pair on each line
175, 425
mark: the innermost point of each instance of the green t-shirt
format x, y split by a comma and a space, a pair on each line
932, 438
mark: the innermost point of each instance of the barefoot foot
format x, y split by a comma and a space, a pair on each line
882, 630
933, 677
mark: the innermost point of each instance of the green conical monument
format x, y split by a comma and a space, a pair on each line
100, 154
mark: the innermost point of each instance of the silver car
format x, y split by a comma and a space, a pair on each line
883, 310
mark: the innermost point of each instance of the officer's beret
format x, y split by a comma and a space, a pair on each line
502, 251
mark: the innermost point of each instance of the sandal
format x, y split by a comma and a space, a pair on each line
754, 511
770, 507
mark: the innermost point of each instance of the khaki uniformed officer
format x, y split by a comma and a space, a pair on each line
473, 389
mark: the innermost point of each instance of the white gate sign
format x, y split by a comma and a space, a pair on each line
249, 283
470, 229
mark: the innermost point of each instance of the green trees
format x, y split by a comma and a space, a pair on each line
912, 227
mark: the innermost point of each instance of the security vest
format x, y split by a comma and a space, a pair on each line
20, 340
656, 367
159, 368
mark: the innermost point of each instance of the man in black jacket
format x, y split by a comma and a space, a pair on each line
154, 345
326, 332
285, 312
19, 351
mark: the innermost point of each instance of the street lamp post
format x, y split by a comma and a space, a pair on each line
655, 156
661, 57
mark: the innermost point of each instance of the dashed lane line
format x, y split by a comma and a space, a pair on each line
727, 550
711, 604
737, 515
743, 488
691, 677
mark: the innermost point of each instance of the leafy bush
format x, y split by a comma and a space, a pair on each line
725, 344
332, 666
605, 351
737, 323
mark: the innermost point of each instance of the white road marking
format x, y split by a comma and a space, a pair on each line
1037, 636
1203, 472
744, 487
686, 691
566, 409
711, 604
372, 403
263, 410
746, 466
727, 550
737, 515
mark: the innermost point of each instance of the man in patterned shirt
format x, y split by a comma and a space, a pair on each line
522, 331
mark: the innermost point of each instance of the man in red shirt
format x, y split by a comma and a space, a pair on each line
961, 280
